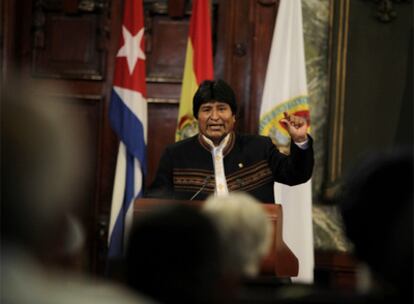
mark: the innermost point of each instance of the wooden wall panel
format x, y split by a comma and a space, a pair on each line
74, 45
2, 24
86, 113
233, 61
166, 48
80, 56
67, 45
264, 15
7, 39
245, 30
162, 121
67, 41
163, 92
336, 270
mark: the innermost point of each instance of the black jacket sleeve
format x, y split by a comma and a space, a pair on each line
293, 169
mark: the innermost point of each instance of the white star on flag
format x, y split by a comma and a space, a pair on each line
131, 48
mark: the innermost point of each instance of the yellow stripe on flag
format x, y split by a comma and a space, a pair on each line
198, 67
187, 124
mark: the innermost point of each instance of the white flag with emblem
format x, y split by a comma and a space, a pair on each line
285, 90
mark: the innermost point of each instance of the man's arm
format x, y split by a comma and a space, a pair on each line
297, 167
301, 148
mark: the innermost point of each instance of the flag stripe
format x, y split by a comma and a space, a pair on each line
189, 83
133, 21
128, 118
124, 119
119, 190
119, 229
198, 67
200, 36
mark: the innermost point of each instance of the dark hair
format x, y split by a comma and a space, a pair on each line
210, 90
377, 209
174, 255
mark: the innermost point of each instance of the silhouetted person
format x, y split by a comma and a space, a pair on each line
41, 162
377, 210
376, 204
174, 256
41, 157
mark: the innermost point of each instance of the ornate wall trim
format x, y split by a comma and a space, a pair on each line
338, 48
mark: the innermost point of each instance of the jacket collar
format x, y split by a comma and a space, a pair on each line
207, 144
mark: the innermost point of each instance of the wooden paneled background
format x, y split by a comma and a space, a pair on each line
72, 43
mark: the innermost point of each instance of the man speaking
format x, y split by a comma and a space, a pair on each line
218, 160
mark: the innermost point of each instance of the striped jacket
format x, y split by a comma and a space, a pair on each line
251, 162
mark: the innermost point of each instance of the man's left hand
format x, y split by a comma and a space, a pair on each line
296, 127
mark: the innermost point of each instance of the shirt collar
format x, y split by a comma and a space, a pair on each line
222, 144
208, 146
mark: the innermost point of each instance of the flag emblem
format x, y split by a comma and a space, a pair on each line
187, 126
270, 122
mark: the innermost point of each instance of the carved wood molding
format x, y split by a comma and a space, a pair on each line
88, 98
57, 57
385, 11
92, 5
339, 18
176, 8
160, 78
168, 19
163, 100
73, 6
157, 7
267, 2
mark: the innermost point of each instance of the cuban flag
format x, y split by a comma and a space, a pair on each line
128, 118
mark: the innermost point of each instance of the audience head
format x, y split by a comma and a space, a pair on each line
377, 210
40, 154
217, 90
173, 255
245, 231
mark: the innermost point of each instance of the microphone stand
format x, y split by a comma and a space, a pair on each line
202, 187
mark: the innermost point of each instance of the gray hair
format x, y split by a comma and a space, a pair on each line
245, 231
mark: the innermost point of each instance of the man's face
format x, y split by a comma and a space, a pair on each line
215, 120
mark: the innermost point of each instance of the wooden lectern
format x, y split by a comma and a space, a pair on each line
280, 262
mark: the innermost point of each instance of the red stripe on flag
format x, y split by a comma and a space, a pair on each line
200, 35
133, 21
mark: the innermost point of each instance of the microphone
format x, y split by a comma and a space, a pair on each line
202, 187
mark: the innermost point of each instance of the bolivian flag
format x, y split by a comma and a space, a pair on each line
198, 66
